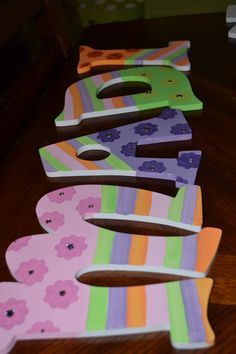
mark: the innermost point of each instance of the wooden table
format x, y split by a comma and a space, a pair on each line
213, 79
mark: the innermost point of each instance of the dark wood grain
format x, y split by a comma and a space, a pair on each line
213, 78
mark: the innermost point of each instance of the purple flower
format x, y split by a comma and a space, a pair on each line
61, 294
89, 205
71, 246
188, 160
109, 135
62, 195
179, 129
52, 220
168, 113
12, 312
181, 180
152, 166
129, 149
145, 129
17, 244
42, 327
31, 272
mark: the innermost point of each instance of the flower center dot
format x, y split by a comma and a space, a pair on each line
183, 130
179, 95
31, 271
108, 135
70, 246
191, 160
10, 313
48, 221
61, 193
90, 206
42, 330
62, 293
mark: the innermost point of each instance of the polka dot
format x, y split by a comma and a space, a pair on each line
111, 7
130, 5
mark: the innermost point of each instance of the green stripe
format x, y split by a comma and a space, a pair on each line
176, 54
85, 140
97, 313
176, 207
109, 199
104, 246
52, 161
173, 252
116, 163
139, 54
106, 237
178, 322
60, 116
92, 91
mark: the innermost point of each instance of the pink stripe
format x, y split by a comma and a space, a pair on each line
157, 307
108, 104
97, 79
156, 251
65, 158
69, 107
160, 205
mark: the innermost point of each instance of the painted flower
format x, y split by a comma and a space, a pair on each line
53, 220
71, 246
152, 166
145, 129
31, 272
61, 294
12, 312
109, 135
42, 327
181, 180
115, 56
129, 149
189, 160
180, 128
95, 53
62, 195
17, 244
89, 205
168, 113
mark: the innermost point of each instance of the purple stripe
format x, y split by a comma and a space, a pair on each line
146, 55
115, 74
189, 205
121, 249
69, 106
46, 166
126, 200
180, 57
128, 101
116, 316
193, 311
189, 252
85, 97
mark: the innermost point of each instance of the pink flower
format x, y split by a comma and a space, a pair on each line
52, 220
71, 246
61, 294
31, 272
62, 195
41, 327
17, 244
12, 313
89, 205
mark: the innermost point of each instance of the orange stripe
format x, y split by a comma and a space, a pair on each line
182, 61
204, 288
138, 250
198, 208
70, 150
136, 306
143, 202
164, 51
77, 101
117, 101
207, 244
